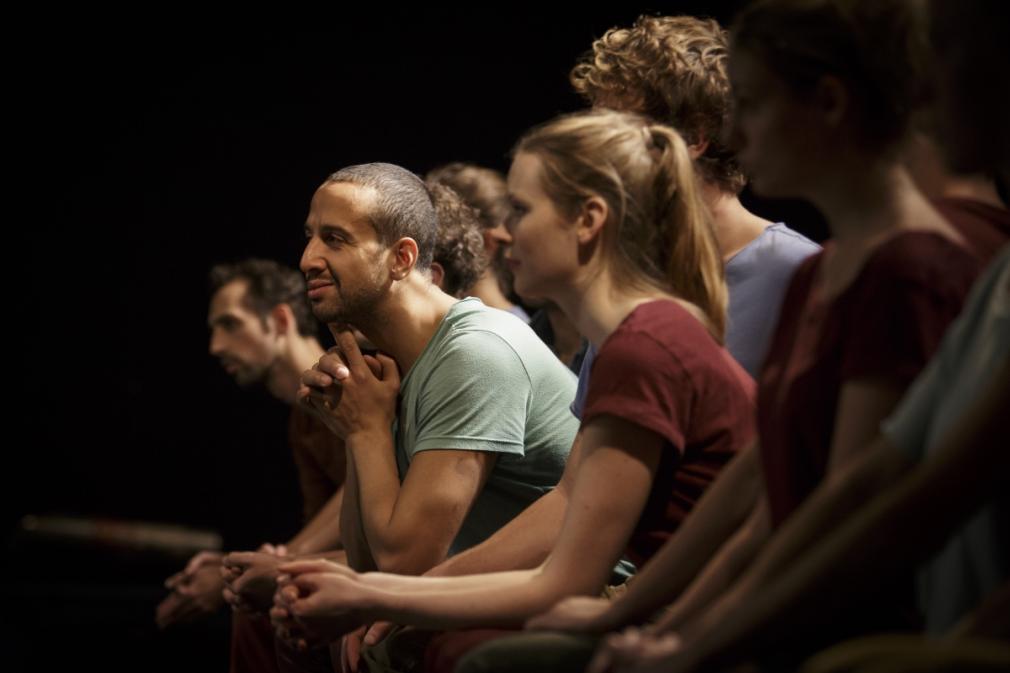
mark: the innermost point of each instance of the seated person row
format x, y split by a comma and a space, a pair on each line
674, 70
774, 98
893, 256
670, 407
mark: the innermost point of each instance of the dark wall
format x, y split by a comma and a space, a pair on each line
151, 154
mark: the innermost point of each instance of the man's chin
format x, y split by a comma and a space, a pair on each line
326, 314
334, 317
248, 381
249, 376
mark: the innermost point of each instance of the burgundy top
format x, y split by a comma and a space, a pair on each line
663, 371
886, 324
985, 227
320, 459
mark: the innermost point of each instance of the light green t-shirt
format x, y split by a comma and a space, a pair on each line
975, 560
486, 382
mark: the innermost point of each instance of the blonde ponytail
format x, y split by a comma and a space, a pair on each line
693, 263
658, 232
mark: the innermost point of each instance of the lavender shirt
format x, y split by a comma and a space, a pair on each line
757, 278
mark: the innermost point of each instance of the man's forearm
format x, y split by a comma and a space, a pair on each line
352, 528
378, 484
322, 532
377, 478
524, 542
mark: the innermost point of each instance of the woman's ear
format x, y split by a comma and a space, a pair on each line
590, 222
696, 149
832, 100
437, 275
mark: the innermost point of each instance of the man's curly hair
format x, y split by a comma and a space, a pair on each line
268, 284
459, 246
672, 69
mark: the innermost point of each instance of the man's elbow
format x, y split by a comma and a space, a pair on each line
556, 581
407, 560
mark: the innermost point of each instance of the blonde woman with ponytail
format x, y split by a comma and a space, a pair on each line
608, 223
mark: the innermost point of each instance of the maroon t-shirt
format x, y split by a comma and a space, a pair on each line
663, 371
986, 228
886, 324
320, 458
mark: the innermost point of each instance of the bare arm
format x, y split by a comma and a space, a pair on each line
322, 532
410, 528
251, 577
523, 543
718, 516
720, 513
862, 406
352, 529
526, 540
897, 528
610, 489
721, 571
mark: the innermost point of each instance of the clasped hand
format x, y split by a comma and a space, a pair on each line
316, 602
352, 393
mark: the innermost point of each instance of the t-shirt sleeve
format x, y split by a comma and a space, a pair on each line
475, 399
908, 426
901, 313
636, 379
313, 480
969, 348
579, 403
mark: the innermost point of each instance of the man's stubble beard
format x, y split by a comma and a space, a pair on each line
357, 309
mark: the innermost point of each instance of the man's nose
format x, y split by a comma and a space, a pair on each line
311, 261
501, 234
216, 348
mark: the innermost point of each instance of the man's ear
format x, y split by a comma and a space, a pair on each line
590, 222
282, 318
405, 254
437, 275
832, 100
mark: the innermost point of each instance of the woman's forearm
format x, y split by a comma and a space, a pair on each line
718, 515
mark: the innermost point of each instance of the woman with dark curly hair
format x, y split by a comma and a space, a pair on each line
484, 190
458, 261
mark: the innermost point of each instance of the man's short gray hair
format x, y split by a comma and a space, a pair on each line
403, 205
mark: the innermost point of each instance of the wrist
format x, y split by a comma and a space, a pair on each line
369, 435
611, 619
370, 580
